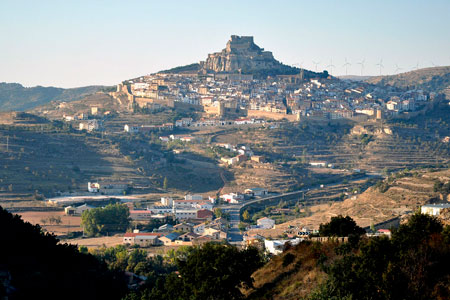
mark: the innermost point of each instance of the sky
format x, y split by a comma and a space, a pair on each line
78, 43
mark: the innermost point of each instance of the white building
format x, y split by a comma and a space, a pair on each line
265, 223
182, 214
160, 209
131, 128
193, 197
256, 191
433, 209
277, 246
143, 239
232, 197
166, 201
93, 187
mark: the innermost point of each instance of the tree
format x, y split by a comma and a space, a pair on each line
212, 271
114, 217
165, 183
340, 226
411, 265
242, 226
218, 212
246, 215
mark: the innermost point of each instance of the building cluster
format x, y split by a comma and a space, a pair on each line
224, 97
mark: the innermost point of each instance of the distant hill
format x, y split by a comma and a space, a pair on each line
430, 79
354, 77
15, 97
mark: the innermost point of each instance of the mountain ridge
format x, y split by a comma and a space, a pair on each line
16, 97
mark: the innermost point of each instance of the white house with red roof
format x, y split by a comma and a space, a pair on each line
143, 239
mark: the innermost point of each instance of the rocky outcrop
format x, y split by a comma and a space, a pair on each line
242, 55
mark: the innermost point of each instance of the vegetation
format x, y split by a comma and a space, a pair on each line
212, 271
340, 226
412, 265
41, 268
112, 218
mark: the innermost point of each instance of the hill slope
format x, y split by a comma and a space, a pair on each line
14, 96
435, 79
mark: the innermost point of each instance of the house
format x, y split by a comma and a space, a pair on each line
160, 209
258, 192
202, 240
221, 223
69, 210
199, 229
140, 215
131, 128
183, 227
204, 205
77, 211
232, 197
143, 239
277, 246
205, 214
166, 201
214, 233
258, 158
187, 138
318, 164
164, 138
168, 239
164, 228
188, 237
93, 187
183, 214
433, 209
265, 223
193, 197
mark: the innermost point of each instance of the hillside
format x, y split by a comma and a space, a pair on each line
410, 265
14, 96
402, 194
435, 79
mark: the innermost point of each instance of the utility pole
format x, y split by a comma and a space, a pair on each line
7, 143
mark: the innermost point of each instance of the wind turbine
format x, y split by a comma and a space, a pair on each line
331, 66
397, 68
316, 63
380, 65
416, 66
346, 66
362, 65
434, 65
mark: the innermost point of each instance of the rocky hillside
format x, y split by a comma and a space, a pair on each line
16, 97
397, 196
242, 55
435, 79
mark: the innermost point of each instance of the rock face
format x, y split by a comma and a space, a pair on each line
243, 55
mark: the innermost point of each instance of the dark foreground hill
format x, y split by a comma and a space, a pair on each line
15, 97
34, 266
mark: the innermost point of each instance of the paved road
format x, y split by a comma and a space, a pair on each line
234, 209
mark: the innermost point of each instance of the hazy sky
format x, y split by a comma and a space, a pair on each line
76, 43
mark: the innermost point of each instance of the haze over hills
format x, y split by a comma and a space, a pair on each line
15, 97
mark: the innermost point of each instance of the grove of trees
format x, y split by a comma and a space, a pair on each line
111, 218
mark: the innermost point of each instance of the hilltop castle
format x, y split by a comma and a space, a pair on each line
241, 55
